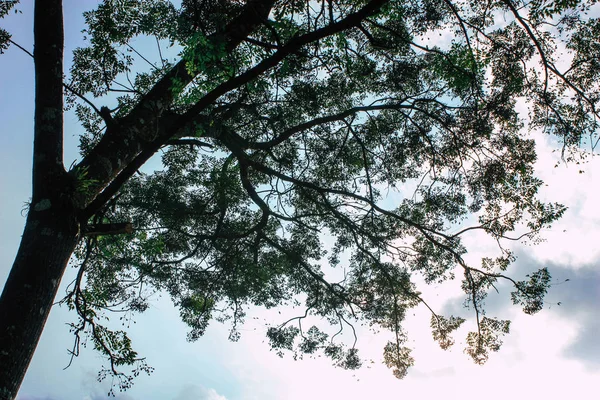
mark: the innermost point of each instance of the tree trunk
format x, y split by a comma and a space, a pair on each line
45, 249
52, 227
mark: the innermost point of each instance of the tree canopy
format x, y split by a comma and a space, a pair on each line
298, 138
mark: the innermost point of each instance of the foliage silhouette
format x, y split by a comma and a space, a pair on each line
286, 124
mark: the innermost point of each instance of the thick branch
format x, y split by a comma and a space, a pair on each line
191, 116
189, 142
143, 129
291, 47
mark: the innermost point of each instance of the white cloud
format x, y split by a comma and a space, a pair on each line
533, 353
197, 392
572, 241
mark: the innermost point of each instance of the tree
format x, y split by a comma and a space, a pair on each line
283, 123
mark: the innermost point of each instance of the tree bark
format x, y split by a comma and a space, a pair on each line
47, 244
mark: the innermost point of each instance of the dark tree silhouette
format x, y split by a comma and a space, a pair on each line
281, 122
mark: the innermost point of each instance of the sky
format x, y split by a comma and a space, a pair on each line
552, 355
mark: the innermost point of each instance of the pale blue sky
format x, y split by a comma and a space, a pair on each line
552, 355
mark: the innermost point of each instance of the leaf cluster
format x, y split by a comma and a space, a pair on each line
337, 122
